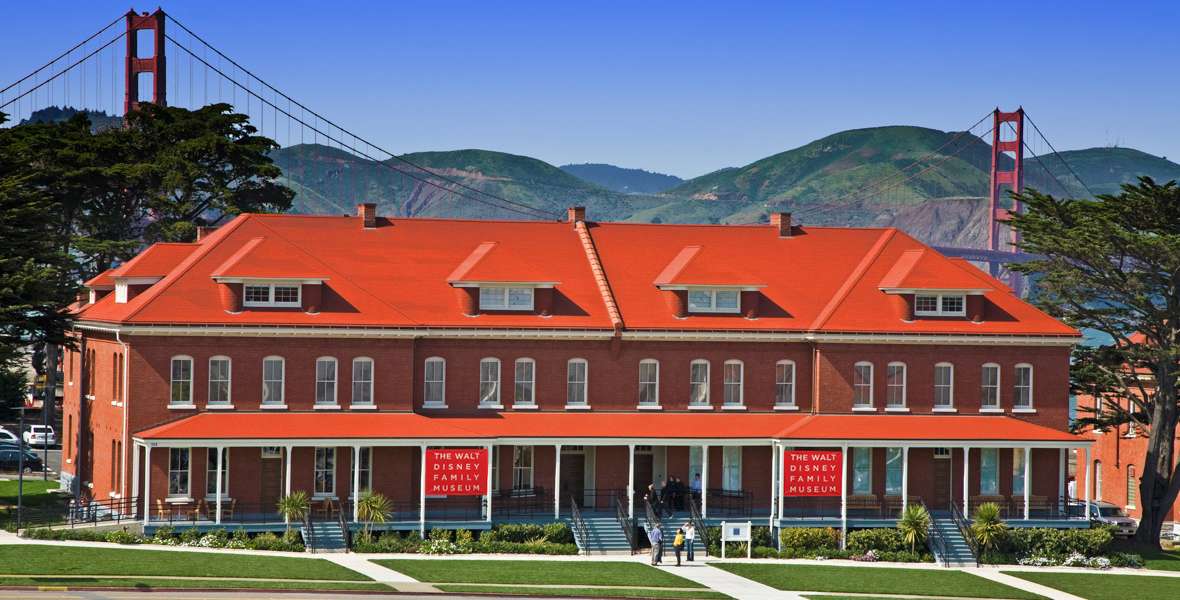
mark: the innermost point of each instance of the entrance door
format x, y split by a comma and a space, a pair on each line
644, 471
573, 478
942, 483
272, 479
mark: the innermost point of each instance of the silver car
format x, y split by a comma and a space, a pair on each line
1110, 514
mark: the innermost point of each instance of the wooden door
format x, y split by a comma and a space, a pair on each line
644, 471
272, 481
573, 478
942, 484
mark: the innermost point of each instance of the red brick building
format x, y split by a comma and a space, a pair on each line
326, 354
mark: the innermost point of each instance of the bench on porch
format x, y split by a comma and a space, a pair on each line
998, 500
863, 503
893, 503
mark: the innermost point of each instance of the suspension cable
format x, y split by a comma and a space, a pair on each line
63, 71
1058, 155
67, 53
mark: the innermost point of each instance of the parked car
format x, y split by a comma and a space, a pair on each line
10, 460
1110, 514
39, 435
8, 436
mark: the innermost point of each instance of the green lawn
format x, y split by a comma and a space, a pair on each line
1107, 586
144, 583
68, 560
545, 591
525, 572
36, 492
875, 580
1153, 558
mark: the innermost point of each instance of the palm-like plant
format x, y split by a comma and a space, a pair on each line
913, 523
293, 507
371, 508
987, 526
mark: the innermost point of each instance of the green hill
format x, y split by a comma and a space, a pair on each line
1105, 169
627, 181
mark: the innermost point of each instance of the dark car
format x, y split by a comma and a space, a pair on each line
10, 460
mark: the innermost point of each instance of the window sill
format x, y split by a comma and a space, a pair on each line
180, 406
649, 407
525, 407
998, 411
331, 496
214, 499
945, 409
492, 406
1026, 411
786, 407
864, 409
897, 409
362, 407
732, 407
219, 407
273, 406
577, 407
327, 407
699, 407
178, 500
434, 406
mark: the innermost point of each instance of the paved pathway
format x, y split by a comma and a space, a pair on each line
1022, 584
727, 583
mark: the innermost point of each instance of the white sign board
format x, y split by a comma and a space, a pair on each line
736, 532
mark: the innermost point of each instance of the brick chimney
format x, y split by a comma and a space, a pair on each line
368, 213
782, 222
205, 231
577, 214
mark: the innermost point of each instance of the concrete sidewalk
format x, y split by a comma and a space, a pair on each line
727, 583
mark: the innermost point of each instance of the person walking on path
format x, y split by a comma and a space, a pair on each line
657, 545
678, 544
690, 536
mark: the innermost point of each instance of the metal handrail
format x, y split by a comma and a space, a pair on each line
80, 513
965, 531
579, 526
627, 524
343, 526
934, 540
698, 522
308, 532
654, 517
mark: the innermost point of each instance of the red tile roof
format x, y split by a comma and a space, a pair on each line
102, 280
157, 261
267, 258
924, 270
964, 428
489, 262
697, 265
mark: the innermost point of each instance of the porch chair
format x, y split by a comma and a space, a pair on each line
200, 511
227, 509
162, 513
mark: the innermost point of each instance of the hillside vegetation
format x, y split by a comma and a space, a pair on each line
627, 181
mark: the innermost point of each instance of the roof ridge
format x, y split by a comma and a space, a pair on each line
857, 273
608, 297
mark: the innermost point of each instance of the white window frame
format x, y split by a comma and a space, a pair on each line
895, 392
492, 401
359, 393
185, 389
1017, 471
326, 386
947, 389
894, 467
228, 381
282, 383
441, 382
329, 468
270, 294
524, 388
180, 491
784, 387
522, 474
1097, 494
864, 389
573, 386
862, 485
1017, 387
731, 468
712, 307
941, 312
652, 385
499, 297
1132, 487
732, 387
211, 473
992, 389
365, 467
697, 400
989, 477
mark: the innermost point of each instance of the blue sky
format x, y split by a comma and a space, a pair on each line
681, 88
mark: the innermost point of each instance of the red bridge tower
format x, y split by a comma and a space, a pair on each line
153, 65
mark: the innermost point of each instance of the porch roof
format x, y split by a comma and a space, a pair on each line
836, 428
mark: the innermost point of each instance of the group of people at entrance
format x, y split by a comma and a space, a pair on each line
670, 495
685, 538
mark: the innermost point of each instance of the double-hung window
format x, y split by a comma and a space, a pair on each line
271, 294
325, 381
178, 472
505, 298
362, 381
784, 386
895, 385
940, 305
182, 380
732, 372
731, 468
489, 382
862, 385
219, 372
1017, 471
575, 389
990, 390
893, 470
522, 467
649, 382
723, 301
862, 471
944, 385
989, 474
698, 383
272, 381
1022, 396
524, 380
434, 382
325, 472
211, 473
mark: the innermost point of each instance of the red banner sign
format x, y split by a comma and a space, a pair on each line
811, 473
456, 472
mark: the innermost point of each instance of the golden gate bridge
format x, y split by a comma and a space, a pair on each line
153, 57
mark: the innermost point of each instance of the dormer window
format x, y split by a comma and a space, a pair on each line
713, 300
940, 305
505, 298
272, 294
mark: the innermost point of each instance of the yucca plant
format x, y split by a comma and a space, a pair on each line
293, 507
987, 526
913, 522
371, 508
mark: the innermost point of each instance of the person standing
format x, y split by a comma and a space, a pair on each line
695, 486
657, 546
678, 544
690, 536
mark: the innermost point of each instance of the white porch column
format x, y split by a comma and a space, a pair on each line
1062, 466
843, 493
356, 483
422, 496
966, 482
1089, 483
287, 467
905, 476
488, 483
779, 450
1027, 479
134, 479
556, 482
220, 492
630, 481
704, 482
147, 483
775, 496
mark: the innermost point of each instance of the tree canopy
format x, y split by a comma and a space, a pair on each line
1112, 265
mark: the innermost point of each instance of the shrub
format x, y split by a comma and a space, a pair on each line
806, 538
987, 526
915, 520
878, 540
558, 533
1056, 543
122, 536
267, 540
761, 536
